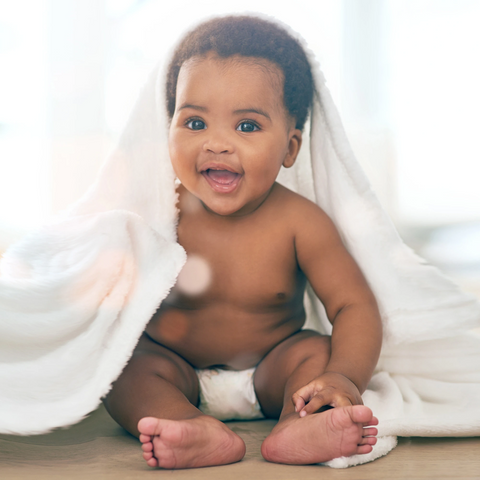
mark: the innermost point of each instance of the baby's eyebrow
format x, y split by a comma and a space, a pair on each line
195, 107
253, 110
240, 111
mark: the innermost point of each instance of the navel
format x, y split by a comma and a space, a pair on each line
281, 296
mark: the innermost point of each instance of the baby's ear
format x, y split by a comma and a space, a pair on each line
294, 145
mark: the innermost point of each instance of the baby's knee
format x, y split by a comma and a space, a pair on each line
148, 364
315, 345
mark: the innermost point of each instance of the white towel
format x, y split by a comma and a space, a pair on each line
76, 294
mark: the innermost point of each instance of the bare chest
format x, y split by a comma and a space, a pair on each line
250, 265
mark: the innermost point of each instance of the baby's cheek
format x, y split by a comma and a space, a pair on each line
267, 170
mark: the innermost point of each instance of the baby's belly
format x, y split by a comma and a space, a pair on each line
221, 335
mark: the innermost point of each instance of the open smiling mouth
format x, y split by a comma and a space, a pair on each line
222, 181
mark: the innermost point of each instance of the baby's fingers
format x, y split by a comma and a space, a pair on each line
301, 397
317, 402
320, 400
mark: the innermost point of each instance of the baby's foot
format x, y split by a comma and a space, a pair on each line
319, 437
196, 442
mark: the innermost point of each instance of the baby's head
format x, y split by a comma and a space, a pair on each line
246, 36
239, 90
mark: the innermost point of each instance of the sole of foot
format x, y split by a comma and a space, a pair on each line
319, 437
197, 442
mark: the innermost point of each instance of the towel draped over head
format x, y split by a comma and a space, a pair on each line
76, 294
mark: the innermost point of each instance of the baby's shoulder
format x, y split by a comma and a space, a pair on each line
315, 234
296, 207
305, 219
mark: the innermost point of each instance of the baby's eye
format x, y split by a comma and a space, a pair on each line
196, 124
247, 127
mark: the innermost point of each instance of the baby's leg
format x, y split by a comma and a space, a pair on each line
155, 397
318, 437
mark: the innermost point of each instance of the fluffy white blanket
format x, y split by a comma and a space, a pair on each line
76, 295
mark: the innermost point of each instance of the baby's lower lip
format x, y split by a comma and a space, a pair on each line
219, 184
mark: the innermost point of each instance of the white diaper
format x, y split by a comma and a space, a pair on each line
228, 394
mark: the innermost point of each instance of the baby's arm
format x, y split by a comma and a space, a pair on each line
351, 308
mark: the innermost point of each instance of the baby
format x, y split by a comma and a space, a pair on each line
239, 90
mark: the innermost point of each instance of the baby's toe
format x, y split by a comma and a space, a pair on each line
373, 421
368, 441
147, 447
147, 455
152, 462
148, 426
363, 449
145, 438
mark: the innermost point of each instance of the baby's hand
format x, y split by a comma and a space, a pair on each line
331, 388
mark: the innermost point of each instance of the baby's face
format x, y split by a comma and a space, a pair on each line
230, 133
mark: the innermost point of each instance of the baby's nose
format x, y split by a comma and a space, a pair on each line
218, 143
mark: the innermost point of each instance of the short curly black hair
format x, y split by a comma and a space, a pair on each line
249, 37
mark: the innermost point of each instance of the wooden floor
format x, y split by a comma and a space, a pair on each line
98, 449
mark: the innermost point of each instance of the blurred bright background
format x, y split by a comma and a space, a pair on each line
404, 73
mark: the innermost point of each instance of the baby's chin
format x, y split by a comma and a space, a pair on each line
235, 204
229, 207
225, 210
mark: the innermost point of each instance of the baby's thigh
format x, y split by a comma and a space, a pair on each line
289, 366
149, 363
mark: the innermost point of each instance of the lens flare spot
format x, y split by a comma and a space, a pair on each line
195, 276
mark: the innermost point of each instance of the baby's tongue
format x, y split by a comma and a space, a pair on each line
222, 176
